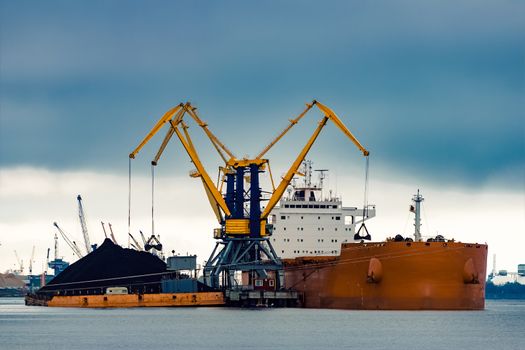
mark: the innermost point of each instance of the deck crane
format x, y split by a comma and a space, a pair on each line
70, 243
83, 226
244, 230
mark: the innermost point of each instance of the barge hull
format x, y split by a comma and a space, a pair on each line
133, 300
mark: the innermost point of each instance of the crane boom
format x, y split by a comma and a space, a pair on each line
175, 118
334, 118
277, 194
83, 226
70, 243
214, 195
137, 245
327, 112
282, 133
168, 136
188, 108
164, 119
104, 229
216, 142
112, 235
328, 115
143, 238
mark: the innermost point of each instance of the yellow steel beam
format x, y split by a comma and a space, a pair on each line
216, 197
188, 138
328, 115
167, 138
216, 142
234, 163
214, 205
165, 118
333, 117
277, 194
292, 123
271, 176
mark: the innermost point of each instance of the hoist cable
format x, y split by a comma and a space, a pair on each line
152, 199
129, 200
365, 204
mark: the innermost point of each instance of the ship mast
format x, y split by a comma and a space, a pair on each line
307, 173
417, 199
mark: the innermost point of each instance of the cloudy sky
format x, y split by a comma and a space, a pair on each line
435, 90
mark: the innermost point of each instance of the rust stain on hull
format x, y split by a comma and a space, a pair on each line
393, 276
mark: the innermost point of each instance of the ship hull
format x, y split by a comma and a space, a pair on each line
393, 276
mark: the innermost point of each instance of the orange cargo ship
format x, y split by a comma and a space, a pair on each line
327, 260
393, 276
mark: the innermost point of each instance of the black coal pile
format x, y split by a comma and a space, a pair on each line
109, 265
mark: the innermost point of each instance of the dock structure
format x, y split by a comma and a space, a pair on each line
262, 298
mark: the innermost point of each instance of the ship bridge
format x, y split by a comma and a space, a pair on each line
309, 222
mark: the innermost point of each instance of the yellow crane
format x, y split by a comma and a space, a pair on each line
243, 228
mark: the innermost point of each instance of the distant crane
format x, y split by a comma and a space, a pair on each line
56, 247
47, 258
20, 264
57, 264
70, 243
135, 243
83, 225
31, 261
112, 235
143, 239
104, 229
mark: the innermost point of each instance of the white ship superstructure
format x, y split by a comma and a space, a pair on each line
306, 223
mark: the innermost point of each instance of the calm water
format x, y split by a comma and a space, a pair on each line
501, 326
